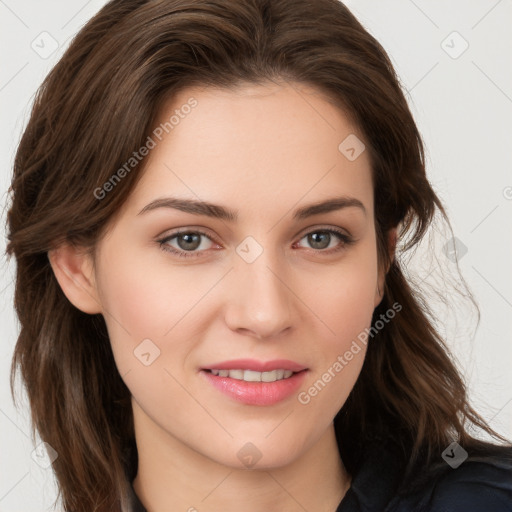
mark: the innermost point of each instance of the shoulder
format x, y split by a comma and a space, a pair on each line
476, 485
479, 484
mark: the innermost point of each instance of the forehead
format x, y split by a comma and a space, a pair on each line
253, 144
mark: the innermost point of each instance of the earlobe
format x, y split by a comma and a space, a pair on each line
74, 272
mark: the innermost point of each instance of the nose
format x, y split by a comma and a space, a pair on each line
260, 300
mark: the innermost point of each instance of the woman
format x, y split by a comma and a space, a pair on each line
206, 207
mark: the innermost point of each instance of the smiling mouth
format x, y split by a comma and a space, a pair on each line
253, 376
252, 387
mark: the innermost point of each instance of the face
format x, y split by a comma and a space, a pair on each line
273, 282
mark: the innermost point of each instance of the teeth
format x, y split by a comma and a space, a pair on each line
235, 374
252, 376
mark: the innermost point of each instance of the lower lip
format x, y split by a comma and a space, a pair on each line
257, 393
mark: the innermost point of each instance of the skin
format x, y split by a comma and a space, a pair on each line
273, 148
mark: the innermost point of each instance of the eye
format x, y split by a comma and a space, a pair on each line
189, 243
321, 240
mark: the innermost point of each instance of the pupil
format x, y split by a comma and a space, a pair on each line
192, 241
316, 242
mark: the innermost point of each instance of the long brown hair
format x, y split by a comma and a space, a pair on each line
97, 106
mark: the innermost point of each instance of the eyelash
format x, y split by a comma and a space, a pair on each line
345, 239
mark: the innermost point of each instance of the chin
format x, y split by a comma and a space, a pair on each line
258, 453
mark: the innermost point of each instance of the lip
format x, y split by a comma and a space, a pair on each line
257, 366
255, 393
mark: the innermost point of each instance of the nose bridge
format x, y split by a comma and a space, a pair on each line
260, 301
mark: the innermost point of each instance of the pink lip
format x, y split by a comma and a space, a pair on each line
256, 393
257, 366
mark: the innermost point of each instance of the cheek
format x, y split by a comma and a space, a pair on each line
340, 356
345, 297
344, 302
147, 300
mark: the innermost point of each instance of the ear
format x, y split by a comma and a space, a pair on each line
391, 243
74, 270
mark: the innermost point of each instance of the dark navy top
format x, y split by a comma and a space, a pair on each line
479, 484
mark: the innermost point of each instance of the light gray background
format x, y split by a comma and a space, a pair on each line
463, 107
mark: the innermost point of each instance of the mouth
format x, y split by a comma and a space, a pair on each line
254, 376
255, 383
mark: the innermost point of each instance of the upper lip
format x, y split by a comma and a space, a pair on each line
257, 366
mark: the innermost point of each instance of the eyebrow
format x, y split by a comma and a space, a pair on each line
221, 212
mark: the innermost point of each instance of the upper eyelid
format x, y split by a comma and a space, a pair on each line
181, 231
306, 231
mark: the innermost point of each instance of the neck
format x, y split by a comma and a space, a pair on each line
172, 476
